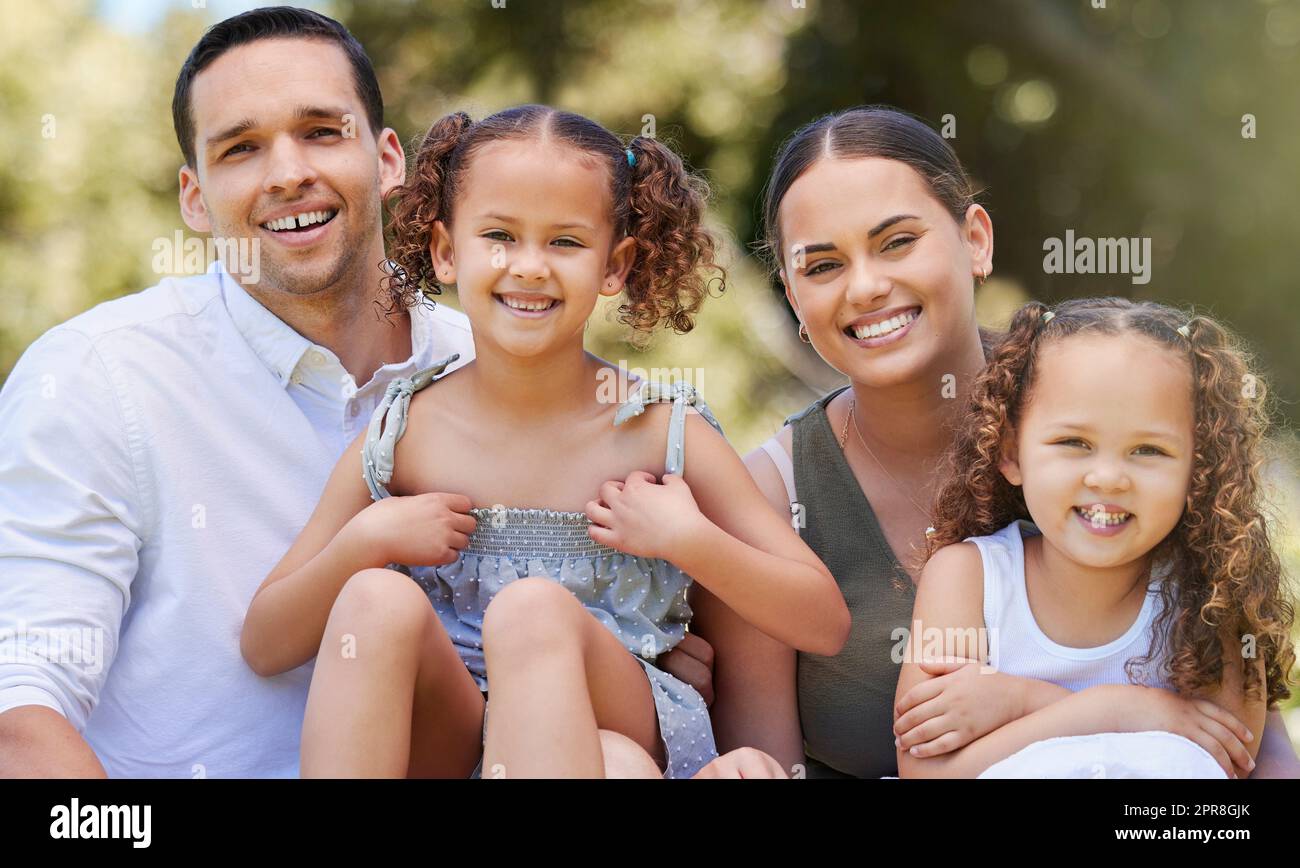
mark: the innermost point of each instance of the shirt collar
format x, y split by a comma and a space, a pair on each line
278, 346
281, 348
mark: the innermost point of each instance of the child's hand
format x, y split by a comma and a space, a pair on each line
419, 529
642, 517
1217, 730
743, 762
962, 704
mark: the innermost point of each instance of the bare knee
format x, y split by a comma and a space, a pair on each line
529, 615
624, 758
383, 600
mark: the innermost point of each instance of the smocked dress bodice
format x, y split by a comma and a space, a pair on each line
642, 601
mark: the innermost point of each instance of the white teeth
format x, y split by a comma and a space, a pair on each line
519, 304
876, 329
298, 221
1098, 516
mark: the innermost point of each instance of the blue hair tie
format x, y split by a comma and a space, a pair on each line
631, 157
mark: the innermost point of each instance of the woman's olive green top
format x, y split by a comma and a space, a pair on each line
846, 702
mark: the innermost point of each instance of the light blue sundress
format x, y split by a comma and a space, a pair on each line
642, 601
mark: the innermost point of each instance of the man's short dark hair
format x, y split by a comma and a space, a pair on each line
271, 22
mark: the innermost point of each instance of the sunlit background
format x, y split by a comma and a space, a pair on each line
1174, 121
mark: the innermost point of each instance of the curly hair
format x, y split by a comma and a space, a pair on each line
1229, 578
656, 201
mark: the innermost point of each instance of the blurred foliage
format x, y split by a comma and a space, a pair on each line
1114, 122
1121, 121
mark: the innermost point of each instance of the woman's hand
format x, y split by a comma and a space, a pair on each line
642, 517
691, 661
743, 762
961, 704
419, 529
1218, 731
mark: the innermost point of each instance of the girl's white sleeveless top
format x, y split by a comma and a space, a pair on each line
1018, 646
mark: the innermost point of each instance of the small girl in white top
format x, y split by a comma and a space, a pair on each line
1144, 596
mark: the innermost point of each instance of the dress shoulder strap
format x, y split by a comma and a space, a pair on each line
388, 424
682, 395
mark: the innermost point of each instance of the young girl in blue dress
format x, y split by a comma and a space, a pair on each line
508, 524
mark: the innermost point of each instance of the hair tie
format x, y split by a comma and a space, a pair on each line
631, 157
1185, 331
1047, 317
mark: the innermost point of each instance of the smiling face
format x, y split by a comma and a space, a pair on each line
1104, 456
285, 157
876, 268
531, 244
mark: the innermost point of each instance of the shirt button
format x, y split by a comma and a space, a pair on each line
296, 378
353, 409
316, 358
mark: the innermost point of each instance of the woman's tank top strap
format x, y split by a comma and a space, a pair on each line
388, 424
682, 395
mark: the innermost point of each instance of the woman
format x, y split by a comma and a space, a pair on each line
872, 226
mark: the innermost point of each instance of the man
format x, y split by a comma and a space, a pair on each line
159, 453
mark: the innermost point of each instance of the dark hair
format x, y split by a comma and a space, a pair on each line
865, 131
657, 201
1228, 575
271, 22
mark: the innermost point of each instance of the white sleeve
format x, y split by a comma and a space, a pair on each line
71, 520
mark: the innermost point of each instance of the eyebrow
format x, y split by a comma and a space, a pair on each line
1159, 435
824, 246
302, 112
316, 111
505, 218
236, 129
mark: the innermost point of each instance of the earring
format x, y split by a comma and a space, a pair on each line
984, 275
803, 334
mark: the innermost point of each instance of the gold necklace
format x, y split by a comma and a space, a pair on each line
844, 437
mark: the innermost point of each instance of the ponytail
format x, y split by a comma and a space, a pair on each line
425, 198
665, 214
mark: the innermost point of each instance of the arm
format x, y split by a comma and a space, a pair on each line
950, 601
39, 742
721, 532
755, 700
1276, 757
961, 702
71, 523
750, 675
286, 618
950, 595
749, 556
346, 534
1231, 697
1096, 709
